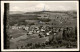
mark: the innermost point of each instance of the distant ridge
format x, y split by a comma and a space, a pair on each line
38, 12
16, 12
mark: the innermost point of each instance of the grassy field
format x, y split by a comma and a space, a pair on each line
58, 16
58, 19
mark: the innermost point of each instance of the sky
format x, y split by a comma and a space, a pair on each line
40, 6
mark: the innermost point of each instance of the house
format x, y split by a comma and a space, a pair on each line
15, 27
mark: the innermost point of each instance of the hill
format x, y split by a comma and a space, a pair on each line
53, 15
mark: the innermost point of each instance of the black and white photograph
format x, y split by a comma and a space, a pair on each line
40, 25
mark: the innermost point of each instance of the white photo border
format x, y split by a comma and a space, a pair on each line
2, 28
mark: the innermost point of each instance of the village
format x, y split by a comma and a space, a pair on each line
43, 33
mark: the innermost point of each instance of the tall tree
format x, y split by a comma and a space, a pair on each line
6, 25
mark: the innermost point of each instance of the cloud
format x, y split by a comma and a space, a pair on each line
16, 8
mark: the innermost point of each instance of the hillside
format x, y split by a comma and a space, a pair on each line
53, 15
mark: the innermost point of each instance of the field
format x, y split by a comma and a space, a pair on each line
20, 38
